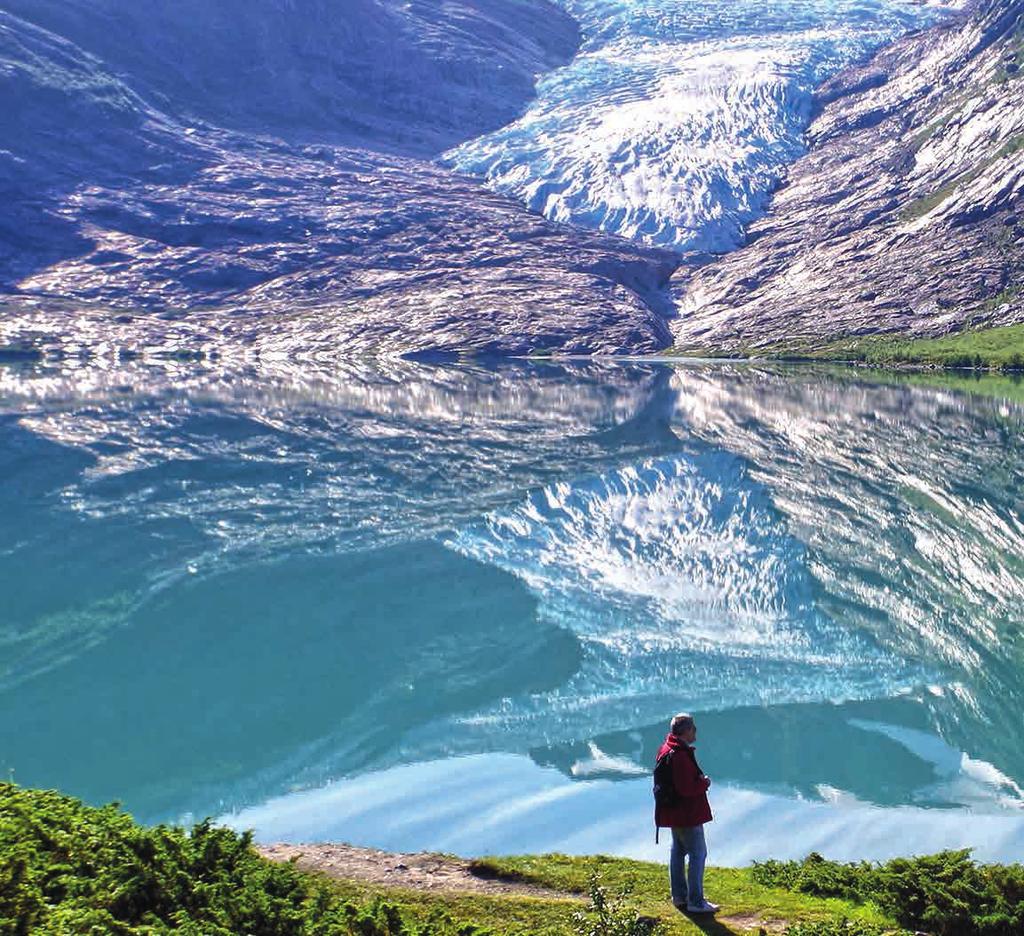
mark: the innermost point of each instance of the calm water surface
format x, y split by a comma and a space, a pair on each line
452, 607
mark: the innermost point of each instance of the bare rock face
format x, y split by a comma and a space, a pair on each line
125, 229
326, 251
906, 216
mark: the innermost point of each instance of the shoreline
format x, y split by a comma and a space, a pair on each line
16, 356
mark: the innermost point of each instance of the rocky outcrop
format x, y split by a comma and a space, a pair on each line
332, 252
906, 216
126, 229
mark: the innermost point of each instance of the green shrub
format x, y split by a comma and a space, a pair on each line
610, 914
837, 928
67, 868
947, 894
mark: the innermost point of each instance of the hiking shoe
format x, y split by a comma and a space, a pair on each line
706, 907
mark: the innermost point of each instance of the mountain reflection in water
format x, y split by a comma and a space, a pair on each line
227, 584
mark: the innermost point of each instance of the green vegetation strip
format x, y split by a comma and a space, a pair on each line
67, 868
987, 348
746, 904
945, 894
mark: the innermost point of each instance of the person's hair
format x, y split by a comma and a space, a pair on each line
681, 723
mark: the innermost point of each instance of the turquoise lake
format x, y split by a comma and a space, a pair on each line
452, 607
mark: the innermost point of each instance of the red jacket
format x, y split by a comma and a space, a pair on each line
693, 808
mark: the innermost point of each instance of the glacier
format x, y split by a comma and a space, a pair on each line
675, 122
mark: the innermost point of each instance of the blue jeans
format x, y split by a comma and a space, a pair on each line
688, 887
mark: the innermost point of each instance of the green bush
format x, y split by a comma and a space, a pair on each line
947, 894
837, 928
67, 868
610, 914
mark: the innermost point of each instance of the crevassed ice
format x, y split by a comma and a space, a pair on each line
674, 122
681, 581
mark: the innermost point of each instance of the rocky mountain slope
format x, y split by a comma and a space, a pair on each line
267, 250
409, 77
906, 214
124, 193
195, 180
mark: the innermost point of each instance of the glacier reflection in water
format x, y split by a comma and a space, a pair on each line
229, 589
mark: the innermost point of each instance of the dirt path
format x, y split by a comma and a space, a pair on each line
421, 871
431, 872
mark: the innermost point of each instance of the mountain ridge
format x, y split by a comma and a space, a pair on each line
410, 78
132, 229
902, 218
125, 195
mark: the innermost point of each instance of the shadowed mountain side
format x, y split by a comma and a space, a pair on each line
295, 250
411, 77
68, 121
170, 708
904, 215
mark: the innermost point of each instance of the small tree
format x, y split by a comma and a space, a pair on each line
610, 915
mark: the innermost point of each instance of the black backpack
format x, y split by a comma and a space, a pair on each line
664, 787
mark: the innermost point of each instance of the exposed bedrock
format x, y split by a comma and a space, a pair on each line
274, 252
127, 229
905, 216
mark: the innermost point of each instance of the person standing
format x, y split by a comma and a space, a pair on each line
684, 809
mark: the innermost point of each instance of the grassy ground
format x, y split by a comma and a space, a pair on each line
746, 905
992, 348
521, 916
